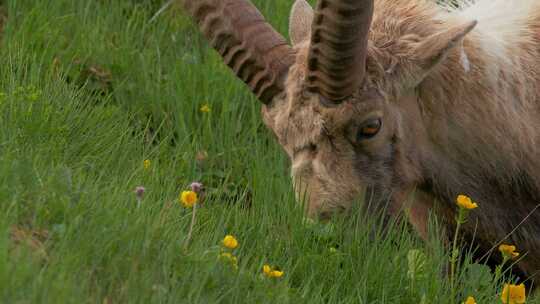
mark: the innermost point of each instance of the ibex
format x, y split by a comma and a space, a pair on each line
395, 97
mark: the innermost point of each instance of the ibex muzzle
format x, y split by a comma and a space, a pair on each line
401, 97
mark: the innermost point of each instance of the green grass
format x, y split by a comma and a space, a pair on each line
88, 91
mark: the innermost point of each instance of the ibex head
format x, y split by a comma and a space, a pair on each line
346, 114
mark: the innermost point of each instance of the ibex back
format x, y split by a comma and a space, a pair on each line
395, 97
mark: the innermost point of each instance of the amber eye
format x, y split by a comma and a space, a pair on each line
369, 129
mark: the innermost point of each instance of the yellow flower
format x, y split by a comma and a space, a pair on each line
188, 198
146, 164
272, 273
276, 274
508, 251
230, 242
205, 108
466, 202
513, 294
470, 300
266, 269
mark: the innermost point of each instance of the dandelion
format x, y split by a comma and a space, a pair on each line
276, 274
508, 251
230, 242
513, 294
466, 202
272, 273
470, 300
146, 164
205, 108
188, 198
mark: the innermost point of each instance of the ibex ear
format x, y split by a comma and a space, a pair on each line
300, 21
434, 50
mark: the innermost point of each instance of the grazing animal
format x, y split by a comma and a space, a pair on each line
401, 99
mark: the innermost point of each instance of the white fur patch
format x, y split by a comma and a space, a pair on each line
502, 22
465, 60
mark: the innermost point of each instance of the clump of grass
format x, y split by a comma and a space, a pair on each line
73, 147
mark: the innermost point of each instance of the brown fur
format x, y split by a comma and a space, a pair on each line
459, 118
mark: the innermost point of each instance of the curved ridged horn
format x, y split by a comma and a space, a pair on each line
256, 53
337, 55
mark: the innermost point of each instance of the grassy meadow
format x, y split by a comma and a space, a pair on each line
89, 90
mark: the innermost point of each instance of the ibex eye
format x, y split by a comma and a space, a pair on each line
369, 129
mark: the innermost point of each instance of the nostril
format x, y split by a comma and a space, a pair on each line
311, 147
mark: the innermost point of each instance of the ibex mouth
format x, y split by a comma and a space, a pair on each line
326, 215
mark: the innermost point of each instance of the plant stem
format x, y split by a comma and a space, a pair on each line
190, 232
454, 255
161, 10
499, 268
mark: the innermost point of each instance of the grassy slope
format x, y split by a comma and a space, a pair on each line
89, 89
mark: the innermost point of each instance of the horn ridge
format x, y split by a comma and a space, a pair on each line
253, 50
337, 55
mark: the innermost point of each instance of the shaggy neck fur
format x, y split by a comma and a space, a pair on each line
480, 106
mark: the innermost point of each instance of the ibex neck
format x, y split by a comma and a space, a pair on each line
481, 108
